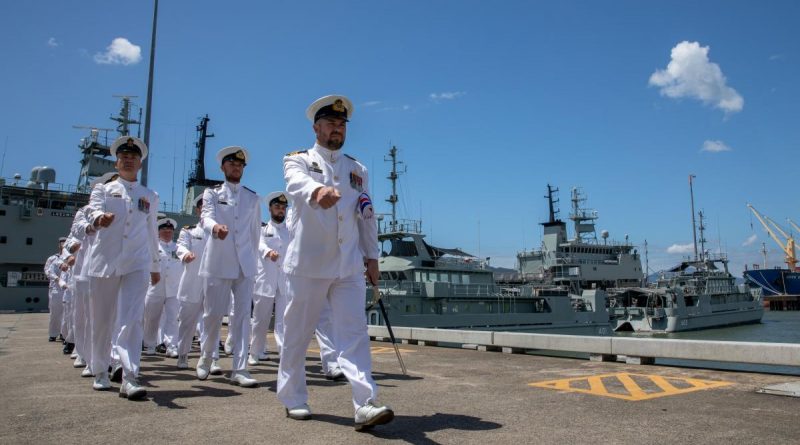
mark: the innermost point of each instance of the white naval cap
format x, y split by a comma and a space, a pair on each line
233, 152
279, 196
197, 199
167, 221
105, 179
333, 105
62, 239
130, 144
160, 215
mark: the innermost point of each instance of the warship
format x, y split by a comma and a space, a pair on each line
577, 263
36, 212
427, 286
697, 294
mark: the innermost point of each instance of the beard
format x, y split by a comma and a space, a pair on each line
278, 218
335, 144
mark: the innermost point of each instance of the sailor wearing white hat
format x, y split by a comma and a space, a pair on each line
191, 245
334, 235
54, 293
123, 259
269, 279
161, 302
231, 217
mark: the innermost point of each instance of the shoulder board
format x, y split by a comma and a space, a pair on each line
263, 224
249, 190
348, 156
190, 226
218, 186
296, 152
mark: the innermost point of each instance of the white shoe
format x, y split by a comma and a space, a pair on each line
202, 369
132, 390
229, 345
215, 369
87, 372
370, 415
172, 352
302, 412
74, 355
243, 379
335, 375
150, 350
79, 362
183, 362
252, 361
101, 382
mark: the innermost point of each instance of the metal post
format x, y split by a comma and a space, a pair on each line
149, 104
694, 227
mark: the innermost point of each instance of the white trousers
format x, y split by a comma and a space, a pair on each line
262, 315
215, 305
68, 316
56, 306
327, 350
280, 310
83, 339
118, 300
190, 320
160, 320
306, 299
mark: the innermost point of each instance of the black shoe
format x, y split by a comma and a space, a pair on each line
161, 349
116, 374
51, 339
68, 348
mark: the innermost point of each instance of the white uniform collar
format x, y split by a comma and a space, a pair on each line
275, 224
327, 154
127, 184
233, 187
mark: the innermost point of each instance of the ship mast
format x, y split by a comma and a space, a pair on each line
694, 228
393, 176
198, 174
702, 239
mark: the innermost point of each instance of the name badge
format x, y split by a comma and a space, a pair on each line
116, 195
224, 203
315, 168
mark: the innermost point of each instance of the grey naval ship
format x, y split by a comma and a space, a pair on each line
696, 294
427, 286
36, 212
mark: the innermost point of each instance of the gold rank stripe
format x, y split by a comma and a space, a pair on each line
622, 385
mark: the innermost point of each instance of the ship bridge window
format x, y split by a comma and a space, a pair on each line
403, 248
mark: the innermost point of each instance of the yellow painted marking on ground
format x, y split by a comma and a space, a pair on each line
374, 350
634, 391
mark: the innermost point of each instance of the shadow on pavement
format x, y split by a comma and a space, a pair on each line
168, 398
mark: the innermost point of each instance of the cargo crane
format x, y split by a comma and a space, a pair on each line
787, 246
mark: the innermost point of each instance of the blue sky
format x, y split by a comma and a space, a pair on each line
487, 101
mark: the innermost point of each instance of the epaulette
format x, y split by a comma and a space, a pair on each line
190, 226
263, 224
348, 156
249, 190
218, 186
296, 152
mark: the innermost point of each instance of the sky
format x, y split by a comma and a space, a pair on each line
487, 102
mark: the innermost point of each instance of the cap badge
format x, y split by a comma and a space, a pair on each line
338, 106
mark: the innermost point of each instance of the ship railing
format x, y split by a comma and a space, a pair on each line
51, 186
410, 287
480, 290
400, 225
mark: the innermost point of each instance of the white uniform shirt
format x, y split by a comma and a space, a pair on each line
170, 268
51, 269
328, 243
130, 243
274, 237
78, 234
191, 239
240, 209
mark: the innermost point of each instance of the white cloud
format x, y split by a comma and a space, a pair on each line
371, 103
775, 57
691, 74
120, 52
680, 248
447, 95
52, 43
406, 107
715, 146
749, 241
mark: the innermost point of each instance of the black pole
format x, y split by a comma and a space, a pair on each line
149, 104
391, 335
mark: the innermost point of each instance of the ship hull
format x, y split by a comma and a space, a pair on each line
774, 281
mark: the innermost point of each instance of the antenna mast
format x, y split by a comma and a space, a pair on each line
198, 174
393, 176
694, 228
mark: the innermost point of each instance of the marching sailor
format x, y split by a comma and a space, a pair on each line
231, 217
55, 291
123, 260
334, 236
161, 302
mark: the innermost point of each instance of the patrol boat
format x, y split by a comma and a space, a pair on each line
35, 213
580, 262
696, 294
427, 286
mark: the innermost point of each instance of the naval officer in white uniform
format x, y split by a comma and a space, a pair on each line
191, 245
55, 291
161, 303
123, 260
334, 238
231, 217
